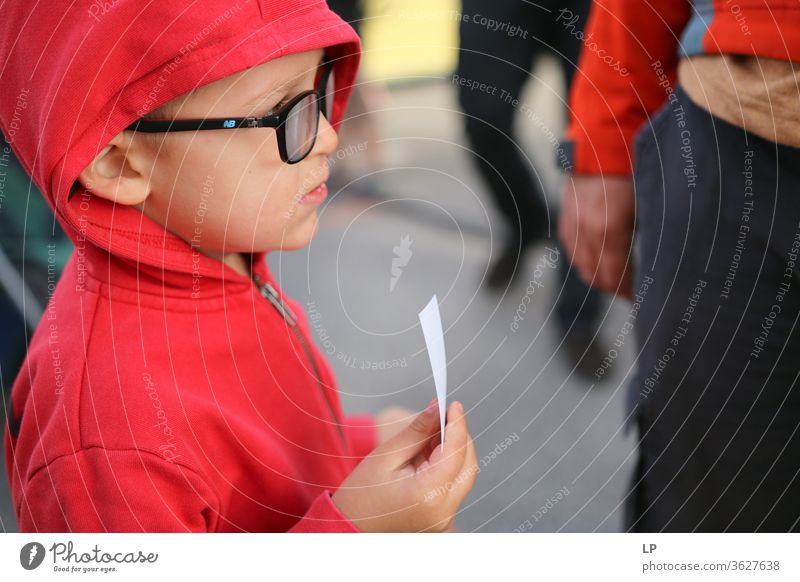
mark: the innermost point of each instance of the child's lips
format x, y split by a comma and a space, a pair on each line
316, 196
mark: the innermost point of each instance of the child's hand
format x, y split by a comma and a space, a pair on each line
391, 420
409, 483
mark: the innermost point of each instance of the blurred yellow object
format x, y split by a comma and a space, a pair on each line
404, 39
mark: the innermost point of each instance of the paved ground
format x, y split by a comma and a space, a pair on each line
552, 447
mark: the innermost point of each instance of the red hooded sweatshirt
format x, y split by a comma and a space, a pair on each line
162, 391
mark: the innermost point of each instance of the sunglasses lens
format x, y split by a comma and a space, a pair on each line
301, 128
330, 88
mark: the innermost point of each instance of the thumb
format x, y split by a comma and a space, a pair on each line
407, 443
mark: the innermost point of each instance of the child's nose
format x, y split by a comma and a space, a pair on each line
327, 139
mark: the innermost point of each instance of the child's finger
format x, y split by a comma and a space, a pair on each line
455, 430
456, 436
414, 438
426, 451
444, 463
466, 476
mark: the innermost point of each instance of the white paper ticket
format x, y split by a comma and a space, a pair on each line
431, 323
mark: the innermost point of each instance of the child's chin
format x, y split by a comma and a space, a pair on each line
302, 235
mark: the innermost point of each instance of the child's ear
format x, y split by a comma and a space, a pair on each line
119, 173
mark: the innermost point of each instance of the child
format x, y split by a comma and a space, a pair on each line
170, 385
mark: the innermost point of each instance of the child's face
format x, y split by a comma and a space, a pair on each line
228, 191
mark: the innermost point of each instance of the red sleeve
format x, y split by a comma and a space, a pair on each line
628, 61
324, 517
99, 490
362, 434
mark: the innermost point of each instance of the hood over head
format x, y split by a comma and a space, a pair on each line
76, 73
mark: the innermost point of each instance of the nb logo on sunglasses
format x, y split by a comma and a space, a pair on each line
229, 123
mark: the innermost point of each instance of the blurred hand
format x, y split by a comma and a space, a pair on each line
409, 483
596, 229
391, 420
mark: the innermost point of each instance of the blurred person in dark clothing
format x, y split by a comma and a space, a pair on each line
500, 42
354, 172
351, 11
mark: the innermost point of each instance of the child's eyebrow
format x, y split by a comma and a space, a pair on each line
276, 92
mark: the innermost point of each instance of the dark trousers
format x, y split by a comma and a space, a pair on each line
715, 396
502, 57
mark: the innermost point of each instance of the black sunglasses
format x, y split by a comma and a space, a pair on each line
296, 122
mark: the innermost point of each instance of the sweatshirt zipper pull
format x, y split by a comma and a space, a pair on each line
270, 294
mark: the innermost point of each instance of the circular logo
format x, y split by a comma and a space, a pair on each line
31, 555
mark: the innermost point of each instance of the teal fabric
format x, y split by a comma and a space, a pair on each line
693, 34
27, 225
